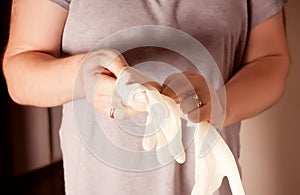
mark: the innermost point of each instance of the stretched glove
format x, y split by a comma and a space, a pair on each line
163, 125
137, 91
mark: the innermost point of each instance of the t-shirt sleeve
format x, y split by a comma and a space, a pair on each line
63, 3
261, 10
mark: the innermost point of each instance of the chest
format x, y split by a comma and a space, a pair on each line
91, 20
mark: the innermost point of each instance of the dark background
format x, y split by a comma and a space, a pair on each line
47, 180
5, 154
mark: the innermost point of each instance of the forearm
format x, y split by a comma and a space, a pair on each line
39, 79
256, 87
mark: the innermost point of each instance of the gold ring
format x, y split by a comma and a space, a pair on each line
197, 100
112, 113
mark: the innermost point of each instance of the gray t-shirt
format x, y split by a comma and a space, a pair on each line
221, 26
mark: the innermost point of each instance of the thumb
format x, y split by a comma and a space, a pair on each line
113, 60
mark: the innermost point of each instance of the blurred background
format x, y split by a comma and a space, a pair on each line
270, 152
30, 156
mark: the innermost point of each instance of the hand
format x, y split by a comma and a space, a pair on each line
185, 88
99, 72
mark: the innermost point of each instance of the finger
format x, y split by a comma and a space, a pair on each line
122, 111
177, 88
124, 114
149, 142
132, 75
155, 121
162, 151
175, 143
177, 151
173, 133
102, 94
196, 117
106, 111
108, 73
97, 86
188, 104
103, 104
200, 84
112, 112
105, 85
92, 64
114, 61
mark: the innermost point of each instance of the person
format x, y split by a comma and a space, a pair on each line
49, 40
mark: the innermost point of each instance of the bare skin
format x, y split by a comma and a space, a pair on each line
36, 75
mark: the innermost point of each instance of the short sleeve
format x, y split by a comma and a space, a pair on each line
261, 10
63, 3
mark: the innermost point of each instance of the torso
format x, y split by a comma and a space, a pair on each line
221, 26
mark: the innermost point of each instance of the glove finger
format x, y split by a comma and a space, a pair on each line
113, 61
162, 151
175, 145
177, 151
172, 132
149, 140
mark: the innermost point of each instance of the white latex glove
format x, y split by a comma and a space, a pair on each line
163, 126
213, 161
210, 168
